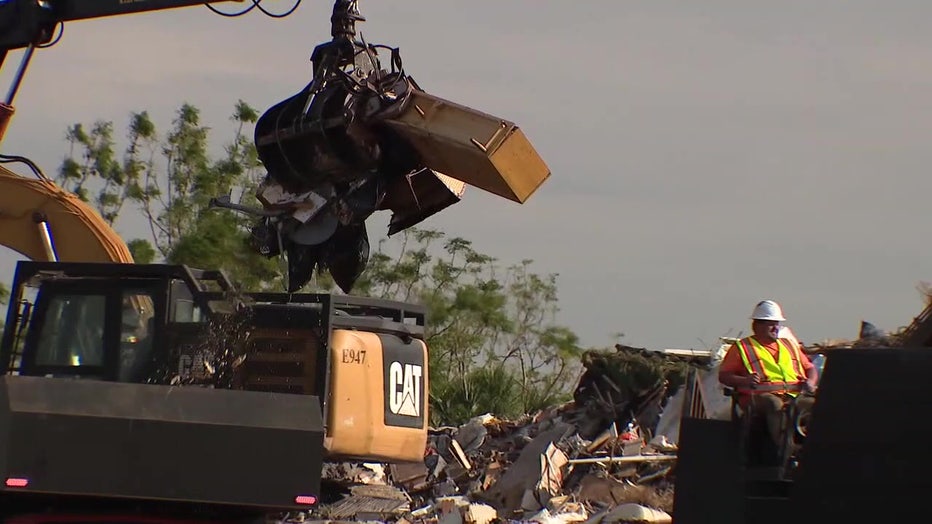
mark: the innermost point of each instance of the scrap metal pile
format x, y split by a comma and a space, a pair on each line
361, 138
588, 460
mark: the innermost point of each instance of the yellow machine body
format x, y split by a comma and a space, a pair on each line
377, 405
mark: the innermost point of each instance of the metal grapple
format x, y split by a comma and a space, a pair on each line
363, 137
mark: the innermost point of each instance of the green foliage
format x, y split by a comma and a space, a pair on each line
632, 372
483, 390
212, 243
171, 181
494, 344
142, 251
97, 162
4, 299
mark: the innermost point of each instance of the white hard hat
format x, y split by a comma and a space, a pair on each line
767, 310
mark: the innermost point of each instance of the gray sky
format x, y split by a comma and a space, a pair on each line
705, 154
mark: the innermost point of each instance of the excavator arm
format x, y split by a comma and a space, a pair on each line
31, 24
25, 23
43, 222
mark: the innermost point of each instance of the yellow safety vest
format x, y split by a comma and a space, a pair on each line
786, 369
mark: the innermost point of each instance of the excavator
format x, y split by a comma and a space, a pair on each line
162, 393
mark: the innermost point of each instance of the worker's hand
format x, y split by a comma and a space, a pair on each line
810, 388
753, 380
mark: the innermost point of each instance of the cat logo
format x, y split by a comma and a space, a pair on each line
404, 389
193, 364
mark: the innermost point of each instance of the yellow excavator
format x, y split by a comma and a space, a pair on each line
195, 400
160, 393
30, 207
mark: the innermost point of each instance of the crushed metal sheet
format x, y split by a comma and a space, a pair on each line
472, 435
370, 500
350, 507
410, 476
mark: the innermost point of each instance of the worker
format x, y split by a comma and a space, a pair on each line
761, 365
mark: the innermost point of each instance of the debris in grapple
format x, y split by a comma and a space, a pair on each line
360, 138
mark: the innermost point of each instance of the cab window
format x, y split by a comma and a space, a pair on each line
72, 332
136, 332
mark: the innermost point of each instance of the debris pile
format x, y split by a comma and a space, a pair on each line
608, 455
592, 459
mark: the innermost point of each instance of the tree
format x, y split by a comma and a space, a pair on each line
171, 181
494, 344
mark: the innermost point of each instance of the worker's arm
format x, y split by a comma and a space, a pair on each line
812, 373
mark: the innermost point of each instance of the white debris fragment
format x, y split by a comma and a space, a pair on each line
480, 514
632, 513
351, 473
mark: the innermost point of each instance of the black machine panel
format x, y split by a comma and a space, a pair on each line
866, 457
709, 480
185, 444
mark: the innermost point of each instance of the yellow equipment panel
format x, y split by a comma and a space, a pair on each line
377, 405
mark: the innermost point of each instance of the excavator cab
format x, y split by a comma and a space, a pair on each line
92, 352
98, 321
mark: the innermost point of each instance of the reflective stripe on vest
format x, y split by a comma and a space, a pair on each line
787, 368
